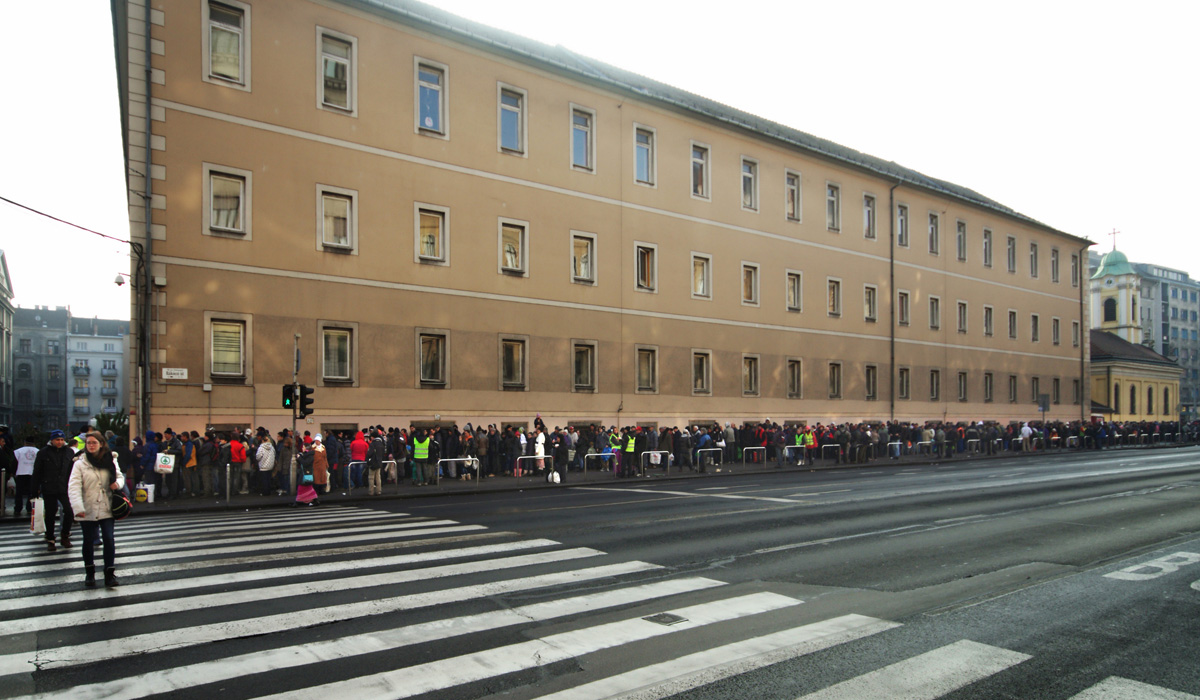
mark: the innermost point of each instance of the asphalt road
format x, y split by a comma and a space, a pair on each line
1070, 576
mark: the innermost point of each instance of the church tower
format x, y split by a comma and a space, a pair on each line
1116, 289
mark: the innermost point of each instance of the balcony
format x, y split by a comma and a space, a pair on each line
109, 372
81, 391
81, 410
111, 409
109, 391
81, 371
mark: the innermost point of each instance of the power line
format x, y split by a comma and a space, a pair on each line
64, 221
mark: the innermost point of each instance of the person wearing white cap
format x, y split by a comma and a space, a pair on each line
320, 467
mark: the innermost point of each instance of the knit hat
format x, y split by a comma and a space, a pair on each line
55, 434
317, 437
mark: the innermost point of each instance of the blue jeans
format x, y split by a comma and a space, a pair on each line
104, 528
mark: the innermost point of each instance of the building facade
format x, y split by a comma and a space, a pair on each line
6, 343
1133, 382
40, 367
461, 224
96, 356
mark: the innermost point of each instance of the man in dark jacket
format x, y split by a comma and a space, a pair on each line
50, 474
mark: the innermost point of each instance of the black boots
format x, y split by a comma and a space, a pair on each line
110, 578
66, 541
89, 576
50, 546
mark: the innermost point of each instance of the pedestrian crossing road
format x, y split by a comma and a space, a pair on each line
360, 603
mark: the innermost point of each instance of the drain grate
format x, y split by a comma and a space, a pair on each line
665, 619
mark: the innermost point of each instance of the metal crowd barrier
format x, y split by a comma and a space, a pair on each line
700, 459
545, 459
437, 475
754, 449
975, 445
596, 455
899, 448
666, 460
793, 447
826, 447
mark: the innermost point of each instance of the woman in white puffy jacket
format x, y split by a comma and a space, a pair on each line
94, 477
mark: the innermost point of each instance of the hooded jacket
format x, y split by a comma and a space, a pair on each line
52, 469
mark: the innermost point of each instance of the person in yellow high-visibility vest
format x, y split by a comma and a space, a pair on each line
422, 473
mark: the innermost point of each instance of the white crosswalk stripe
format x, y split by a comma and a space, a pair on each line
354, 602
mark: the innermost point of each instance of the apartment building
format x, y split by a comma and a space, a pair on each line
96, 356
455, 223
40, 366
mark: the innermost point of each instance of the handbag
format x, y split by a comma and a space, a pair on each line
120, 505
37, 523
307, 479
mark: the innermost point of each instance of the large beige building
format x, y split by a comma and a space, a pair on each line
462, 224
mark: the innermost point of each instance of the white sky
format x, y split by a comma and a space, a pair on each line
1079, 114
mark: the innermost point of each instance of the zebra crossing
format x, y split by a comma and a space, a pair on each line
365, 603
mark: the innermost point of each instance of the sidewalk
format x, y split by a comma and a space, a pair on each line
501, 484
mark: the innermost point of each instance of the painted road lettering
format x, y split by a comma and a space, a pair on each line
1157, 567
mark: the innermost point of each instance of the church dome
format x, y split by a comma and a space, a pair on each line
1113, 263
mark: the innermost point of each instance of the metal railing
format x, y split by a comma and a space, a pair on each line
546, 458
437, 473
700, 459
665, 463
596, 455
746, 450
826, 446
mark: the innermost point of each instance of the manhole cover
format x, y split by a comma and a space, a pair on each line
665, 619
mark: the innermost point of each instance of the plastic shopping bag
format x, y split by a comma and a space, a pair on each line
37, 524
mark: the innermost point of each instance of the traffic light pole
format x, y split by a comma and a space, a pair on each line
295, 394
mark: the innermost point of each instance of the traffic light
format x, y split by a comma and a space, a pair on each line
289, 395
305, 397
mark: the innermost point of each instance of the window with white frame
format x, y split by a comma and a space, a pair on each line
514, 243
868, 216
701, 276
989, 323
644, 156
795, 291
987, 248
338, 71
1034, 328
338, 218
1012, 254
1074, 334
871, 379
510, 105
833, 207
512, 362
834, 297
647, 369
1074, 270
701, 372
903, 382
903, 308
431, 98
935, 384
645, 259
431, 356
935, 236
988, 387
1055, 331
902, 225
433, 234
583, 139
750, 284
336, 354
962, 317
228, 345
749, 184
935, 313
700, 186
228, 55
835, 380
1012, 388
870, 302
1033, 260
749, 375
583, 257
962, 386
1054, 265
227, 192
795, 378
960, 240
1012, 324
792, 202
584, 370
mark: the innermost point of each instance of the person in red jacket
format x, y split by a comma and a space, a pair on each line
358, 455
237, 464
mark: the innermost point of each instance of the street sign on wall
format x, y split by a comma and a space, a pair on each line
174, 373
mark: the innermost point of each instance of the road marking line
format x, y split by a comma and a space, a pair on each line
686, 673
928, 676
283, 591
388, 533
690, 494
828, 540
1114, 688
451, 672
177, 678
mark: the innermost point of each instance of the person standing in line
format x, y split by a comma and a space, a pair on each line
51, 470
94, 476
320, 468
282, 470
375, 458
26, 456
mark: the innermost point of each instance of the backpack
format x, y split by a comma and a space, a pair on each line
375, 455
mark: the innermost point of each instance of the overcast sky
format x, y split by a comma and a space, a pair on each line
1081, 115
